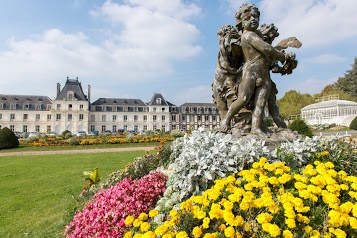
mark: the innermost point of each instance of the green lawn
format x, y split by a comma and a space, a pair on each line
37, 192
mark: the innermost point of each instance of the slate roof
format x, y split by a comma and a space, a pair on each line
154, 101
75, 86
24, 102
329, 104
119, 101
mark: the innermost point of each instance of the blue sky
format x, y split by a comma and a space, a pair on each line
134, 48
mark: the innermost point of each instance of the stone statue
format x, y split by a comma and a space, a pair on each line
242, 85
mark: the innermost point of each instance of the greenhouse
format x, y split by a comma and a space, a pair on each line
339, 112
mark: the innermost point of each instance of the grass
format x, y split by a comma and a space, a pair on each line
38, 192
77, 147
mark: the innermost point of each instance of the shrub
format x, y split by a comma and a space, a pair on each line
8, 139
66, 134
32, 139
176, 133
300, 127
73, 141
268, 122
266, 201
104, 215
353, 125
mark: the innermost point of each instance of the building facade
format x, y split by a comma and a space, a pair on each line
71, 110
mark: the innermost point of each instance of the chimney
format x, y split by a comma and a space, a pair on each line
88, 93
58, 89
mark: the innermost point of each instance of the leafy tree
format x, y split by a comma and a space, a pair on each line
332, 89
348, 83
292, 102
8, 139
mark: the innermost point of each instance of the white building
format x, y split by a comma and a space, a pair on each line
339, 112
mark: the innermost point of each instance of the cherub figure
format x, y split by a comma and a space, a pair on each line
256, 81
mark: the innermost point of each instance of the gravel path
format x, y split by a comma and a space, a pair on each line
54, 152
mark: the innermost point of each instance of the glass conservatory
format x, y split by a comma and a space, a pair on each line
340, 112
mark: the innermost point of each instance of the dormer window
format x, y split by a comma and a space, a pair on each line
158, 100
39, 106
40, 99
16, 99
3, 98
13, 106
26, 106
28, 99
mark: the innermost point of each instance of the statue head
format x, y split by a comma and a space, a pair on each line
226, 30
242, 12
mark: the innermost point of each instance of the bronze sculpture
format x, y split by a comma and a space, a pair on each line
242, 85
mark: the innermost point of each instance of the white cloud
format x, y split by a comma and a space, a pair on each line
326, 59
147, 39
316, 23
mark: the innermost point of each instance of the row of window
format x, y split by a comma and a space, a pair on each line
70, 107
25, 117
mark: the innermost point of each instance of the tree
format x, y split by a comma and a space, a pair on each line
8, 139
348, 83
292, 102
332, 89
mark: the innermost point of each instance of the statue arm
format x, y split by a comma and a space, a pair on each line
266, 48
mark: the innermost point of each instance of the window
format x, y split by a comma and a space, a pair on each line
70, 106
24, 128
38, 116
12, 127
81, 117
163, 118
37, 128
104, 118
12, 117
154, 127
154, 109
58, 117
125, 127
199, 117
49, 107
136, 128
163, 109
26, 106
145, 118
154, 117
92, 127
58, 106
163, 127
104, 127
92, 117
135, 118
81, 107
70, 96
48, 129
114, 117
26, 117
206, 118
145, 128
125, 118
114, 128
183, 118
158, 100
213, 118
39, 106
69, 117
173, 118
13, 106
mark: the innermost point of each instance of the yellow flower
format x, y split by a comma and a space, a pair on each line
264, 218
182, 234
143, 216
144, 227
196, 232
229, 232
205, 223
287, 234
129, 220
161, 230
149, 234
153, 213
308, 229
129, 234
137, 223
290, 223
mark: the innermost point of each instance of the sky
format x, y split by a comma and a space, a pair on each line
135, 48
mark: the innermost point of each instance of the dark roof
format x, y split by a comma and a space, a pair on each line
198, 105
76, 87
119, 102
154, 101
28, 102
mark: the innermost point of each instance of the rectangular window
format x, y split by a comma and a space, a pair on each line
145, 128
13, 106
12, 127
114, 117
69, 117
58, 117
49, 107
206, 118
12, 117
81, 117
154, 109
58, 106
173, 117
114, 128
26, 106
199, 117
154, 117
70, 106
136, 128
135, 118
125, 118
104, 127
92, 118
37, 128
38, 116
163, 118
92, 127
49, 116
24, 128
163, 109
154, 127
145, 118
81, 107
183, 118
48, 129
163, 128
125, 127
104, 118
26, 117
39, 106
